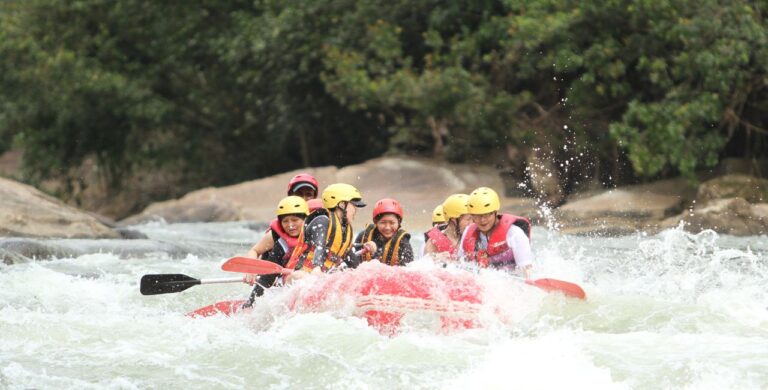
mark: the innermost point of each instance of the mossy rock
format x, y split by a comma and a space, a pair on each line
750, 188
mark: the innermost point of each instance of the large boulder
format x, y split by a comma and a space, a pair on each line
750, 188
733, 216
624, 210
419, 184
27, 212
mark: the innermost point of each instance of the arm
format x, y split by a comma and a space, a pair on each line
521, 246
265, 244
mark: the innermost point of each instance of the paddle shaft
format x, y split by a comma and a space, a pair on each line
221, 280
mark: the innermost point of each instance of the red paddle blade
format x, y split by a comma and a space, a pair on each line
248, 265
554, 285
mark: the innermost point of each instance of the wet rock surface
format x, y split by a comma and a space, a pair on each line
27, 212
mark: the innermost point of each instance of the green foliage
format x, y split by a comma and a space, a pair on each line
235, 90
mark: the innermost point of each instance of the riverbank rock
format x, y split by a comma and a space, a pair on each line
751, 189
733, 216
624, 210
27, 212
419, 184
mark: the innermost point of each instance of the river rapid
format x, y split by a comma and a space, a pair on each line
673, 310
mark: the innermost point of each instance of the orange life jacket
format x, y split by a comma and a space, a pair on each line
338, 245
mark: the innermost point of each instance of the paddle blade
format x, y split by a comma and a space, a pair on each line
165, 283
554, 285
248, 265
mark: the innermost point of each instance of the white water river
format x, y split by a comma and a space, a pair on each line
674, 310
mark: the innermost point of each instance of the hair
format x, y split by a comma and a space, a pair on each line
300, 215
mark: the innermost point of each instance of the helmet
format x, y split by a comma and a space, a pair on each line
455, 206
292, 205
483, 200
388, 205
314, 204
438, 216
340, 192
302, 178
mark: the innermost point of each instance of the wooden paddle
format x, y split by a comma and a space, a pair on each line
172, 283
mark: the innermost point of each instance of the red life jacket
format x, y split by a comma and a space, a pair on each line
498, 253
276, 227
283, 239
441, 241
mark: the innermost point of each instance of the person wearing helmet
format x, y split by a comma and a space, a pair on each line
496, 240
392, 242
283, 236
438, 216
303, 185
325, 240
443, 239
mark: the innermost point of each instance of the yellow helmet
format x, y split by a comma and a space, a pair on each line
340, 192
455, 206
483, 200
438, 216
292, 205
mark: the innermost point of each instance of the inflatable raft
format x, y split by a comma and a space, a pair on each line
387, 297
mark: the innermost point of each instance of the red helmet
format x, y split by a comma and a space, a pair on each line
302, 178
314, 204
388, 205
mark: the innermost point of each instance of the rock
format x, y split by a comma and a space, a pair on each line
419, 184
624, 210
131, 234
27, 212
733, 216
33, 249
749, 188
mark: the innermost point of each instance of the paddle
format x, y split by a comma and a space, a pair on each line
554, 285
249, 265
171, 283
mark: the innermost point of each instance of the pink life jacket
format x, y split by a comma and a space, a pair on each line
498, 253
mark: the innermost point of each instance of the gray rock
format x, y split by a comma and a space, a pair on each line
733, 216
27, 212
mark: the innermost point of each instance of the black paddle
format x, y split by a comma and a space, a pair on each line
171, 283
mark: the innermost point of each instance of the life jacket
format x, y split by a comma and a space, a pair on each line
498, 253
390, 254
337, 243
441, 241
277, 227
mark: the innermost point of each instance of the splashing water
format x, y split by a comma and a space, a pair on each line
673, 310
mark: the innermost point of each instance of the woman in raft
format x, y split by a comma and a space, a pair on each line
392, 242
495, 239
284, 232
302, 185
325, 241
443, 240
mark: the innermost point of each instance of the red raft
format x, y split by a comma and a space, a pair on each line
387, 297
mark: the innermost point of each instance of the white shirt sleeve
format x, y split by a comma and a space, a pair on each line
521, 246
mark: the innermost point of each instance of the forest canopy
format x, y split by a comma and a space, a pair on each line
227, 91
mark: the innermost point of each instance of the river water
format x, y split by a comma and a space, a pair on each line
673, 310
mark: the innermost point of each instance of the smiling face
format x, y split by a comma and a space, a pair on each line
485, 221
292, 225
387, 225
